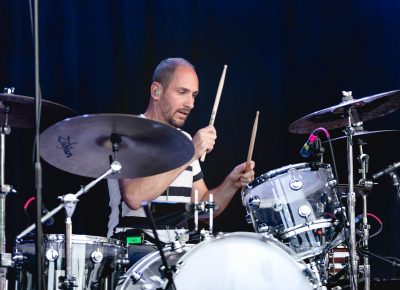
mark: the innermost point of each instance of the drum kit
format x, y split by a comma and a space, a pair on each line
304, 235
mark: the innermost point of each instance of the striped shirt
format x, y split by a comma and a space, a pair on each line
173, 199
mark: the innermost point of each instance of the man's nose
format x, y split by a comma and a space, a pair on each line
189, 102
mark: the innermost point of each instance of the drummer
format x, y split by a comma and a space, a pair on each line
173, 91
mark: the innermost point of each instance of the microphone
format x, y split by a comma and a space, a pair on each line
388, 170
305, 151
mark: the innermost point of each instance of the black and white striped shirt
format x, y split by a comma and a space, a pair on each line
173, 199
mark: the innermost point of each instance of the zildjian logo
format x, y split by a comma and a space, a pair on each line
66, 145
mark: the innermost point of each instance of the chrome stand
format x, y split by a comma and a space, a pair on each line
5, 258
115, 167
367, 184
69, 281
351, 200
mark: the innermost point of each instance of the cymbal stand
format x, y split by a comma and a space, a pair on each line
351, 200
114, 168
366, 267
69, 281
5, 258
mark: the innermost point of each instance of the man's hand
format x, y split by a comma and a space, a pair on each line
204, 141
239, 177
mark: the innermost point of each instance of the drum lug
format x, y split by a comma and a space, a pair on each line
135, 277
254, 202
18, 259
262, 228
248, 219
332, 183
52, 255
304, 211
296, 184
96, 256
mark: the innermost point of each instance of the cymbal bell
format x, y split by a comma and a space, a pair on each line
83, 145
21, 111
363, 109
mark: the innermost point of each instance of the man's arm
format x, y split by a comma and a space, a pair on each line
137, 190
224, 193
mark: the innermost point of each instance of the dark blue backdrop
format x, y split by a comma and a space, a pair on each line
286, 59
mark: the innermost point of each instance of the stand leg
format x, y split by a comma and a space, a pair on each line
351, 200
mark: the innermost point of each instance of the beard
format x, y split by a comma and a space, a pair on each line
170, 116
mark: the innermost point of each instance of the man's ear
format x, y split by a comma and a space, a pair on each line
156, 91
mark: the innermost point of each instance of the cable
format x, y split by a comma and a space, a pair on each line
376, 219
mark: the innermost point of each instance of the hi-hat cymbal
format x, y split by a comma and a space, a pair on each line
22, 111
363, 109
358, 189
82, 145
364, 133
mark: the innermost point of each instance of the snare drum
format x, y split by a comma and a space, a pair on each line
296, 204
96, 261
234, 261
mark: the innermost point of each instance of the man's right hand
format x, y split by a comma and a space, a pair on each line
204, 141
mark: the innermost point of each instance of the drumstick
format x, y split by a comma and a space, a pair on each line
216, 103
252, 141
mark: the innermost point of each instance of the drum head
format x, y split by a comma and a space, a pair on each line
240, 261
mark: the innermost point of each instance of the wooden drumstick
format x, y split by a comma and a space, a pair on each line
216, 103
252, 141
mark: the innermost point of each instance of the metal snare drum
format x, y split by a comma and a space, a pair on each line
296, 204
96, 261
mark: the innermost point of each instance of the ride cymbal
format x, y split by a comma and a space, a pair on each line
83, 145
363, 109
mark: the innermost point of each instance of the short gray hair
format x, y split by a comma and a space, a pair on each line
165, 70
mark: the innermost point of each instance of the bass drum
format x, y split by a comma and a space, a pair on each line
147, 272
234, 261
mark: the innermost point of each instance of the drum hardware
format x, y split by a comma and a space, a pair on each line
391, 170
166, 270
90, 274
301, 216
351, 113
68, 203
364, 161
203, 207
5, 258
16, 111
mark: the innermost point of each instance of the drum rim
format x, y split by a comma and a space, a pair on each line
279, 171
301, 228
76, 239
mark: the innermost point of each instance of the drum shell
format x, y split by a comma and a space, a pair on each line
96, 261
296, 204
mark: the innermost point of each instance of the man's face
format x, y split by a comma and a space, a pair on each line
177, 100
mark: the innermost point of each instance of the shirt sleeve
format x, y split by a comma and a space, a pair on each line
196, 170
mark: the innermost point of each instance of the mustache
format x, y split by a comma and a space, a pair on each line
184, 111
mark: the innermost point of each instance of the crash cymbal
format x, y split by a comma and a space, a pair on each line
22, 111
82, 145
363, 109
364, 133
